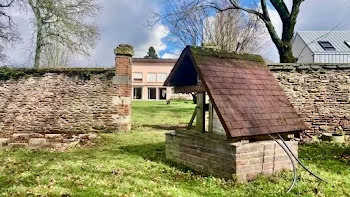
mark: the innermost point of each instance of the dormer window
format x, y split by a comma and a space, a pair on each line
327, 46
347, 43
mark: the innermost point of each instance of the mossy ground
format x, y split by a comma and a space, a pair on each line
134, 164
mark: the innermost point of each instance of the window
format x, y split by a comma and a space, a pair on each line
137, 77
162, 93
327, 46
137, 93
151, 77
161, 77
152, 93
347, 43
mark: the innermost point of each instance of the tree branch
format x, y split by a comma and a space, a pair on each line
281, 8
3, 5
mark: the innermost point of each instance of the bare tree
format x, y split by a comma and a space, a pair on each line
259, 8
8, 33
190, 22
55, 55
67, 22
234, 31
186, 25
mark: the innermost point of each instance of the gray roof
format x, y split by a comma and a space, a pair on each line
336, 38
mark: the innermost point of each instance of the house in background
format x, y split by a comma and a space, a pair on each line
148, 78
322, 46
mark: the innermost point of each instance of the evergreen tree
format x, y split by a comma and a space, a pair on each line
151, 54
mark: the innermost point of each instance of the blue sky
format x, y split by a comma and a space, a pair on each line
125, 21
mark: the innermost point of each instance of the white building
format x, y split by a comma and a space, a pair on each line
322, 46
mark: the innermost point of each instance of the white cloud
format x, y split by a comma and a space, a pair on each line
123, 22
157, 34
172, 55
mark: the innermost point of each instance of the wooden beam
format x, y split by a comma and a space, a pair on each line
189, 89
211, 115
189, 126
200, 123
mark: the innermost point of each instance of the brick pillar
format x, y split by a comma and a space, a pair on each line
122, 102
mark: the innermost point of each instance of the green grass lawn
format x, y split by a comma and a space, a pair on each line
134, 164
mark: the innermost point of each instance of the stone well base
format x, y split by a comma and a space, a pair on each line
224, 159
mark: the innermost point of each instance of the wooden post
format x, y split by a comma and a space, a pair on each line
211, 110
189, 126
200, 123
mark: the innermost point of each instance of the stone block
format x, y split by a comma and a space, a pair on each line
268, 159
267, 172
244, 156
37, 142
281, 158
122, 80
251, 176
269, 153
70, 140
4, 141
257, 154
242, 162
18, 145
269, 146
53, 136
255, 161
55, 145
268, 165
244, 169
241, 177
84, 136
21, 135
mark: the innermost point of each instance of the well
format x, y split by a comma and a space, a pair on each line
241, 111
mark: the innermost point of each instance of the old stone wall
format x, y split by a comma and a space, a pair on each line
59, 102
320, 93
209, 155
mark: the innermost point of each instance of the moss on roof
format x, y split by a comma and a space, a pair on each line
211, 52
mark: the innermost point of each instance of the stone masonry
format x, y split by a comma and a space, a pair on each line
57, 142
57, 102
123, 80
319, 93
225, 159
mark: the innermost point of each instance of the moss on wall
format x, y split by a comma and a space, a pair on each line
7, 73
124, 49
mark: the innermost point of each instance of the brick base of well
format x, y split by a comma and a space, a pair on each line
221, 158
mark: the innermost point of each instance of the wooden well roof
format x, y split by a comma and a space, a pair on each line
244, 93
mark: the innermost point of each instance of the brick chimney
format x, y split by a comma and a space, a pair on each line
122, 102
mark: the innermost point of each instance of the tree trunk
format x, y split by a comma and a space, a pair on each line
39, 44
286, 53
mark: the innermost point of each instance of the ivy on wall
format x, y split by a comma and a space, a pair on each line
7, 73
